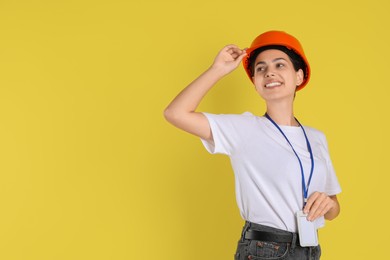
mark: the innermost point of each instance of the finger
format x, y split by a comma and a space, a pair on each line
229, 47
310, 202
321, 212
320, 207
243, 54
234, 48
239, 58
330, 203
320, 199
235, 54
325, 210
238, 52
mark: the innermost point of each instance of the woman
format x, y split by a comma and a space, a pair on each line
284, 177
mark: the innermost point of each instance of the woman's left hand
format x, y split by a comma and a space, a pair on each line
318, 204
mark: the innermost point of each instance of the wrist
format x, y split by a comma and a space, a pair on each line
217, 71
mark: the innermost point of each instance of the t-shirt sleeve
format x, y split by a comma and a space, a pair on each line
224, 131
332, 186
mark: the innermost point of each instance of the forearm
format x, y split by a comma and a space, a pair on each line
189, 99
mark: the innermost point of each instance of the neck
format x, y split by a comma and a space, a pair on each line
282, 114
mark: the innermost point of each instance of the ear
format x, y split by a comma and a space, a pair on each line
300, 77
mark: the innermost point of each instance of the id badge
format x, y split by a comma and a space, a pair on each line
306, 230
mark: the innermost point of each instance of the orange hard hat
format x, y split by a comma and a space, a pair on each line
277, 38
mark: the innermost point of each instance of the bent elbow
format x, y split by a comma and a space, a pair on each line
169, 115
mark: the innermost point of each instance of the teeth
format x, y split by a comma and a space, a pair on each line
272, 84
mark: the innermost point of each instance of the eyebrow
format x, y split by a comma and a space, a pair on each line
275, 60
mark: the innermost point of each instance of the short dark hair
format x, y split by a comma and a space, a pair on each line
295, 58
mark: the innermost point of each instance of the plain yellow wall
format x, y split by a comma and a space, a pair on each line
89, 169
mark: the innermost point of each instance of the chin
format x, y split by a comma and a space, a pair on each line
269, 97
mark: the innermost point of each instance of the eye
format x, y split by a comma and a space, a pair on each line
279, 65
260, 69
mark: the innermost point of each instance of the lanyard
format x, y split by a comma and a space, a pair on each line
305, 188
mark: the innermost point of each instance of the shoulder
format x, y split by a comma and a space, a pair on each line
244, 117
234, 122
313, 131
316, 134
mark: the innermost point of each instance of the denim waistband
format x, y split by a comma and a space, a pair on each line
258, 227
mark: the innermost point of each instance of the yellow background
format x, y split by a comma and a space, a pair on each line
89, 169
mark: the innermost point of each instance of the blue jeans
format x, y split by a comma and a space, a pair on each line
258, 250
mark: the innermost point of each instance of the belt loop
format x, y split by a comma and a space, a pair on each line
293, 242
246, 227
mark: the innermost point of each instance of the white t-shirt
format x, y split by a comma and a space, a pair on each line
268, 178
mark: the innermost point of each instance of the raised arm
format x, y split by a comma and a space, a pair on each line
181, 111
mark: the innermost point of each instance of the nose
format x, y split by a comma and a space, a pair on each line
269, 74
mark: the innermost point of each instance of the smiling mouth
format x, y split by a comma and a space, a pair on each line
273, 84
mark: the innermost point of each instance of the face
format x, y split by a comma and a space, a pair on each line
275, 77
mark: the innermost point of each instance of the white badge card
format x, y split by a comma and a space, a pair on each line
306, 230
